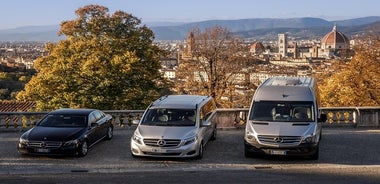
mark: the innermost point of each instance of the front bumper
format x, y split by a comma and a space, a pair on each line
185, 151
299, 150
68, 150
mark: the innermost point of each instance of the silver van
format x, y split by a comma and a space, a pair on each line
175, 126
284, 119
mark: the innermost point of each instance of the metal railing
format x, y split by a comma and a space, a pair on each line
226, 118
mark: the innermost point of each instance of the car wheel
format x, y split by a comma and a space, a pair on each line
200, 151
315, 156
214, 133
249, 154
83, 149
109, 134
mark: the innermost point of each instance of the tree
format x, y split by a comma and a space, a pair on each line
107, 61
214, 66
356, 82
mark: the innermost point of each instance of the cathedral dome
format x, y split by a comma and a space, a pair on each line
335, 40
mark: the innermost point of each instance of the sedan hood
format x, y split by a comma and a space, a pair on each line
164, 132
54, 133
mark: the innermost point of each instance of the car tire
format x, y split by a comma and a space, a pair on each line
315, 156
83, 149
109, 134
200, 151
214, 134
247, 154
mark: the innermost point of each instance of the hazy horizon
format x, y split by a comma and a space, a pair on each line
20, 13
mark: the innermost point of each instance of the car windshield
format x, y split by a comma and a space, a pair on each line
57, 120
282, 111
169, 117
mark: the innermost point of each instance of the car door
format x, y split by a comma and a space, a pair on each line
102, 123
93, 133
207, 112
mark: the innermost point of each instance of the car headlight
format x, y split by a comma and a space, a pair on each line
23, 141
136, 138
190, 140
250, 137
71, 143
309, 139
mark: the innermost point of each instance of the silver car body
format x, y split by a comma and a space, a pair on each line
284, 118
175, 126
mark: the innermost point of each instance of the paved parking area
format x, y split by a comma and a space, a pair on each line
340, 148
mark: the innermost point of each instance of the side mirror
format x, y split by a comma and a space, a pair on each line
206, 123
135, 122
93, 125
322, 118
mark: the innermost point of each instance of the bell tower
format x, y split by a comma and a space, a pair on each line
282, 45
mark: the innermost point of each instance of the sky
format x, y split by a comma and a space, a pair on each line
19, 13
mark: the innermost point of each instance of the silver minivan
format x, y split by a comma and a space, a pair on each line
175, 126
284, 118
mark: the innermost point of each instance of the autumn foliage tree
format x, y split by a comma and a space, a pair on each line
107, 61
214, 66
356, 82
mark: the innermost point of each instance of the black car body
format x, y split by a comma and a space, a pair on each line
67, 131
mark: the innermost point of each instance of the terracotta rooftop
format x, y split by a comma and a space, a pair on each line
334, 37
17, 106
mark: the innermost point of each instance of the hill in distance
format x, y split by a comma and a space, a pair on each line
257, 29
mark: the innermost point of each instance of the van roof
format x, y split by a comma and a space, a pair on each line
180, 101
286, 89
289, 81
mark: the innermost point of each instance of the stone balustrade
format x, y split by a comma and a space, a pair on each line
226, 118
352, 116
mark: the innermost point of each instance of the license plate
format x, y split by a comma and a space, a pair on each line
42, 150
277, 152
158, 150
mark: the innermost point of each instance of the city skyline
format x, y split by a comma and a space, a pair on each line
18, 13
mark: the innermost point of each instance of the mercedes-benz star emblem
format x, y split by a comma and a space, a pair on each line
43, 145
161, 142
278, 140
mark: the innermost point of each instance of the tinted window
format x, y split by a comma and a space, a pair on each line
54, 120
282, 111
169, 117
92, 118
207, 109
98, 115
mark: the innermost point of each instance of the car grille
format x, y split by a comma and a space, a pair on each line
279, 140
44, 144
162, 142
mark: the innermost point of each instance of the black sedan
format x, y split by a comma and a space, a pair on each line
67, 131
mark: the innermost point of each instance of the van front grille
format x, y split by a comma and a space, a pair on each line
162, 142
279, 140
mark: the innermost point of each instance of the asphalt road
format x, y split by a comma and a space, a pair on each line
347, 155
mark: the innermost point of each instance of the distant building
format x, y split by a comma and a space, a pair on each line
189, 46
257, 48
335, 43
283, 45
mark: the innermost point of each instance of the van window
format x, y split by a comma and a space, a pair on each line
169, 117
282, 111
207, 109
